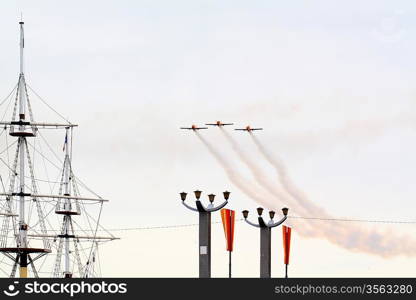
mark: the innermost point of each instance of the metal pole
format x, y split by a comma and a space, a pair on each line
229, 264
204, 229
67, 206
23, 265
286, 271
265, 238
265, 252
22, 222
229, 256
22, 45
204, 244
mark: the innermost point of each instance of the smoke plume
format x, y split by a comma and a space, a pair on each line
347, 235
275, 190
241, 183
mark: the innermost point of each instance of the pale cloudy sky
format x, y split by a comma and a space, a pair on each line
330, 81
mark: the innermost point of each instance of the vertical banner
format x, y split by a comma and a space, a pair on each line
286, 242
228, 221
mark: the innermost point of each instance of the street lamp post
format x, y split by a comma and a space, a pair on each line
265, 238
205, 228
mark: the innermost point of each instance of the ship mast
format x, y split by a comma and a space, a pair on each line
67, 205
21, 143
28, 232
21, 254
67, 232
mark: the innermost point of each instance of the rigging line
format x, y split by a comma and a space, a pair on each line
41, 154
59, 168
96, 221
50, 107
1, 159
86, 187
50, 148
79, 225
85, 214
8, 154
73, 176
95, 235
99, 261
12, 91
2, 184
6, 110
41, 180
45, 168
72, 138
6, 273
47, 219
8, 146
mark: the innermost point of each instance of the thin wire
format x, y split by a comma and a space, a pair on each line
354, 220
50, 107
5, 99
238, 220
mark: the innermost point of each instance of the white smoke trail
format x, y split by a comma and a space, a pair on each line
274, 189
349, 236
286, 182
258, 174
245, 186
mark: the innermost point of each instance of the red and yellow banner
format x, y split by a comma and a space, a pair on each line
286, 242
228, 221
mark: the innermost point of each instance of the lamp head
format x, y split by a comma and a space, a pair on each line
245, 214
226, 195
271, 214
183, 196
197, 194
285, 210
260, 210
211, 197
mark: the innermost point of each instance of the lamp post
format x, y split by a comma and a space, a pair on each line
265, 238
204, 228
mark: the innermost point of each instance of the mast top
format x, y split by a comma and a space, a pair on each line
22, 45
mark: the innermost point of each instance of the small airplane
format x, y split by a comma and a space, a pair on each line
248, 128
219, 124
194, 127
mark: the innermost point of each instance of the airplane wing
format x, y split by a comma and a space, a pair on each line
186, 128
216, 124
241, 129
257, 129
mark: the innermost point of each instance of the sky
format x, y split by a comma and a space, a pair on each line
330, 82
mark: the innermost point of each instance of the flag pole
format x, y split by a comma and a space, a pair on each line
229, 264
229, 255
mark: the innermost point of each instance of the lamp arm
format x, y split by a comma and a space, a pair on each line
218, 207
278, 222
189, 207
250, 223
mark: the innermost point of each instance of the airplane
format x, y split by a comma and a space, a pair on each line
219, 124
194, 127
249, 129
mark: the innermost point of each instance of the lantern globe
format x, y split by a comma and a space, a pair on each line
183, 196
197, 194
260, 210
211, 197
